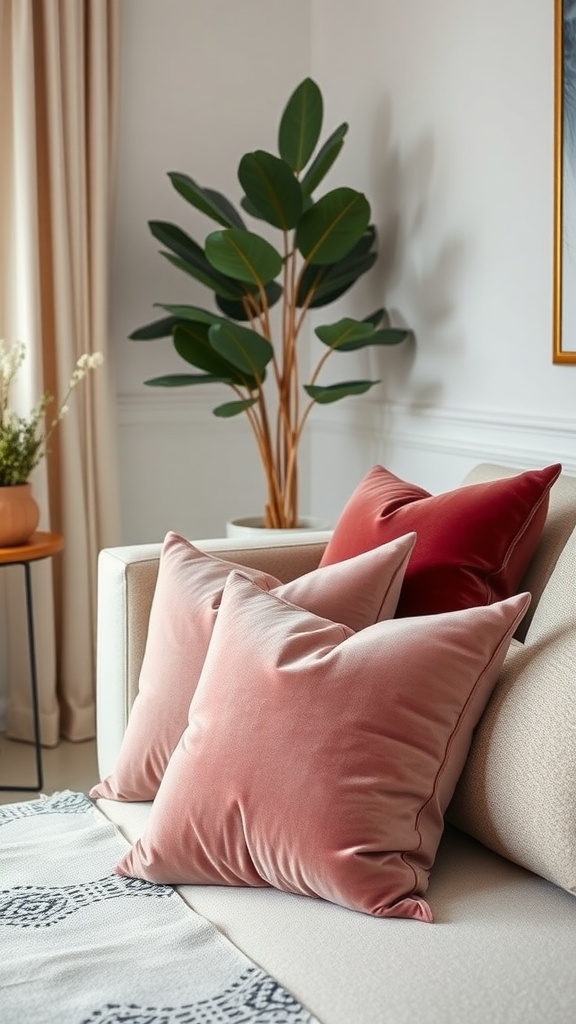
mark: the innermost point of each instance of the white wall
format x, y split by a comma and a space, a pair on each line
201, 84
450, 107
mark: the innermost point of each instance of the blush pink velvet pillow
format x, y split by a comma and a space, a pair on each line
357, 592
321, 761
474, 543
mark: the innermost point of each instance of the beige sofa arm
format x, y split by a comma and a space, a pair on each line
126, 582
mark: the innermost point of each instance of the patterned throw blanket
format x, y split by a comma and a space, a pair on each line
81, 945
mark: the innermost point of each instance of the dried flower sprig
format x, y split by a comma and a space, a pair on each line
24, 440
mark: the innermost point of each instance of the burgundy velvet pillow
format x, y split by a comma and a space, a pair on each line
473, 544
190, 582
321, 761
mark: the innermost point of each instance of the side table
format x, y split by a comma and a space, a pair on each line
41, 545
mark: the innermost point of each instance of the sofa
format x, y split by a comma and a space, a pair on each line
502, 886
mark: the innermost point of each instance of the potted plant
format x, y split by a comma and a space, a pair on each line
24, 442
263, 292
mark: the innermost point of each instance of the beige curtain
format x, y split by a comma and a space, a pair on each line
58, 79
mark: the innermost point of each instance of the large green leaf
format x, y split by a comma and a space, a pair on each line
243, 256
271, 188
334, 287
176, 239
230, 409
192, 313
344, 332
375, 318
188, 256
348, 335
216, 282
329, 282
250, 208
192, 345
156, 329
300, 125
184, 380
334, 392
324, 159
385, 336
236, 310
333, 225
248, 351
208, 201
226, 208
364, 244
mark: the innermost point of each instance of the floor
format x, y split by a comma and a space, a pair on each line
67, 766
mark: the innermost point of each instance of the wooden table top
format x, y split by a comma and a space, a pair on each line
40, 545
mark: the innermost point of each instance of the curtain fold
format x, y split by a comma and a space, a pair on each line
62, 80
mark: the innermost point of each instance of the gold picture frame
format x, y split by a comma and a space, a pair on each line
564, 326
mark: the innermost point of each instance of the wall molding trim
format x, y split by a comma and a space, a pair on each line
167, 407
484, 435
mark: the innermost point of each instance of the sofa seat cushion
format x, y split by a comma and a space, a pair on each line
319, 760
187, 596
501, 949
473, 544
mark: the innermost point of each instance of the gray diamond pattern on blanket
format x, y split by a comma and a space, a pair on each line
255, 998
35, 906
105, 949
60, 803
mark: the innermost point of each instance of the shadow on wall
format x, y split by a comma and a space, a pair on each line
416, 263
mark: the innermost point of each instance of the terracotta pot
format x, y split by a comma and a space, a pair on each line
19, 515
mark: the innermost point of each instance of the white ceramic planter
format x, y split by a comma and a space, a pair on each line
251, 526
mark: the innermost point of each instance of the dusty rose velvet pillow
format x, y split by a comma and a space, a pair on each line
321, 761
474, 543
358, 593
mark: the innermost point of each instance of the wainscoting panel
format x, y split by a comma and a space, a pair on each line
433, 448
185, 470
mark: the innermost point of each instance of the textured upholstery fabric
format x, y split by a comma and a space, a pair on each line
473, 544
319, 760
517, 793
501, 950
357, 592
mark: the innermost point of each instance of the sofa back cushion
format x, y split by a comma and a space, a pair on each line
517, 793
